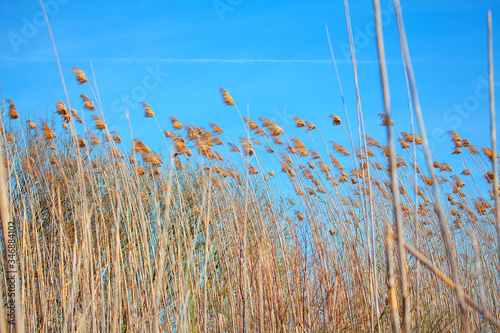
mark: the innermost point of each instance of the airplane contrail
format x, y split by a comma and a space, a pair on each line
197, 61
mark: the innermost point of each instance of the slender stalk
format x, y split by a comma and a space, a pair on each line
12, 273
449, 245
393, 174
427, 263
493, 131
367, 213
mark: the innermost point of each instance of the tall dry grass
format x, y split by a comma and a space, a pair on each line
111, 238
278, 231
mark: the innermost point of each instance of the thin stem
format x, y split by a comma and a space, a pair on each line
393, 174
493, 131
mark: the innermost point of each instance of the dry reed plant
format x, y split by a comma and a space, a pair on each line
153, 249
276, 231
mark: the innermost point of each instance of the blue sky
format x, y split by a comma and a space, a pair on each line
273, 55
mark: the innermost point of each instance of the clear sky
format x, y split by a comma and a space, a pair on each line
273, 55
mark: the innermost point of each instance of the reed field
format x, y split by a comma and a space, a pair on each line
271, 232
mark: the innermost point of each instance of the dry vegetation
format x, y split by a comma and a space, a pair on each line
271, 233
112, 238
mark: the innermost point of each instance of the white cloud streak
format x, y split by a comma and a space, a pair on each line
198, 61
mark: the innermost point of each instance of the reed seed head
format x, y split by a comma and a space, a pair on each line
12, 110
79, 75
385, 120
227, 99
31, 125
175, 123
82, 143
47, 132
148, 113
336, 120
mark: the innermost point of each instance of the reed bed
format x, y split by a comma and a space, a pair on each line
267, 234
272, 232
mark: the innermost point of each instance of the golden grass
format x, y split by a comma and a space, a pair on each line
132, 244
112, 239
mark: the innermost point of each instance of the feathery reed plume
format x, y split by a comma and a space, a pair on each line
176, 124
299, 122
191, 133
227, 99
75, 114
314, 154
336, 163
454, 136
256, 142
106, 137
63, 111
418, 139
31, 125
266, 122
466, 172
490, 177
61, 108
372, 142
170, 135
473, 150
47, 132
385, 120
489, 153
340, 149
310, 126
298, 190
99, 123
12, 110
336, 120
79, 75
216, 129
407, 137
404, 144
272, 127
94, 140
117, 139
82, 143
247, 146
252, 125
323, 167
178, 164
252, 170
87, 103
286, 168
148, 113
233, 147
275, 130
299, 215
